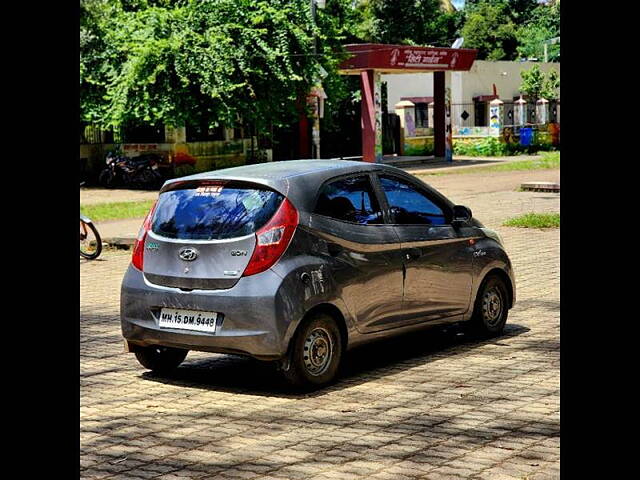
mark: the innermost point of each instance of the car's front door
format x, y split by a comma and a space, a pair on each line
437, 261
364, 250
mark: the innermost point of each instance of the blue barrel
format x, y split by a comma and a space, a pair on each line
526, 136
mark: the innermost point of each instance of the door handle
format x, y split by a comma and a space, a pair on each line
413, 253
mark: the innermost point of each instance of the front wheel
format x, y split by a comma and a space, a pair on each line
491, 308
90, 241
160, 359
315, 353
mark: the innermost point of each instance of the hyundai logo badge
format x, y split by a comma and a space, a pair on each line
188, 254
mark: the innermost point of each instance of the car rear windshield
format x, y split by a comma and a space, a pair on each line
213, 211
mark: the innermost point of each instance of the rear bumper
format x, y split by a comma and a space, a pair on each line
248, 323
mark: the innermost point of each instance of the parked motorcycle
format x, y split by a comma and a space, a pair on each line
126, 172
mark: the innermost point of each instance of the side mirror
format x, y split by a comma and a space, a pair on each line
461, 215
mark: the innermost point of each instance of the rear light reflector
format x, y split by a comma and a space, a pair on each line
273, 239
137, 259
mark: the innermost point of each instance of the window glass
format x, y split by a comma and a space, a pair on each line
408, 205
422, 115
212, 212
350, 200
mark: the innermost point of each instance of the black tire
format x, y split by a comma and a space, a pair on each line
491, 307
315, 353
160, 359
88, 230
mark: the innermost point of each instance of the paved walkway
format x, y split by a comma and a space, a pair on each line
433, 406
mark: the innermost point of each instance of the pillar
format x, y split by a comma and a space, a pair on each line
496, 115
442, 134
371, 116
519, 112
542, 110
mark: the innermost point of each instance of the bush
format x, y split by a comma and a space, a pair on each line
493, 147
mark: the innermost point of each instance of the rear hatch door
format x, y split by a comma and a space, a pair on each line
203, 232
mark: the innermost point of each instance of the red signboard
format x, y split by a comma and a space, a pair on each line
406, 58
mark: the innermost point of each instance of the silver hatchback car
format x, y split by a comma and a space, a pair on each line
298, 261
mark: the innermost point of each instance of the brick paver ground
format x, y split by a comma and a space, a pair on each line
435, 405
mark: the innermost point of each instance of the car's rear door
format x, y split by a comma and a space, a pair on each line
203, 232
437, 261
364, 251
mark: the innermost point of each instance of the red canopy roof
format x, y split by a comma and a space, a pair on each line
405, 58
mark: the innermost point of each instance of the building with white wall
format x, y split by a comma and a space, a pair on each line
470, 91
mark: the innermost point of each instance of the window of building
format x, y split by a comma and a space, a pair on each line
204, 133
422, 115
481, 114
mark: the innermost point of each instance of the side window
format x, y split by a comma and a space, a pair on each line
408, 205
350, 200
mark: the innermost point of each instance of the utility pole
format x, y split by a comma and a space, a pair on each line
315, 130
553, 40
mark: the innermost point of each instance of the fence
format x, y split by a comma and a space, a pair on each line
475, 114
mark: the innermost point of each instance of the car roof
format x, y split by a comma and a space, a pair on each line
298, 180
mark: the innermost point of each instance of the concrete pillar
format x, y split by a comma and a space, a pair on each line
542, 110
442, 141
496, 115
430, 107
519, 112
371, 116
406, 111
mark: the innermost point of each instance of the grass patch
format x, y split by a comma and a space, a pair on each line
547, 161
116, 210
535, 220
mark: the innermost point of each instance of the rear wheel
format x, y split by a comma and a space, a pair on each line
315, 353
491, 307
90, 241
160, 359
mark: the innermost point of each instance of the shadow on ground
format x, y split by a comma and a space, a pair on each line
234, 374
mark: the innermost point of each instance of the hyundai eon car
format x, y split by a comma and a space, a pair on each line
298, 261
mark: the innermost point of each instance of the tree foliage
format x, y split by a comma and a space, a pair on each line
412, 22
542, 25
499, 28
213, 61
536, 84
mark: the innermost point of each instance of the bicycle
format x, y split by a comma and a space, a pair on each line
90, 241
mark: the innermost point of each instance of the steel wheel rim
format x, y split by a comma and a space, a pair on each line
318, 351
492, 306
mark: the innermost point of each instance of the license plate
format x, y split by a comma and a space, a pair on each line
188, 320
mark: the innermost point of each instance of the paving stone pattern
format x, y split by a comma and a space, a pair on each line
435, 405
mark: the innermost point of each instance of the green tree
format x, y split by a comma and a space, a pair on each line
201, 61
536, 84
542, 26
409, 22
489, 28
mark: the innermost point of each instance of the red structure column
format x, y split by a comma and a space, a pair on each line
304, 149
371, 116
368, 116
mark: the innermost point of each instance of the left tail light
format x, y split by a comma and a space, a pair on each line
273, 239
137, 259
